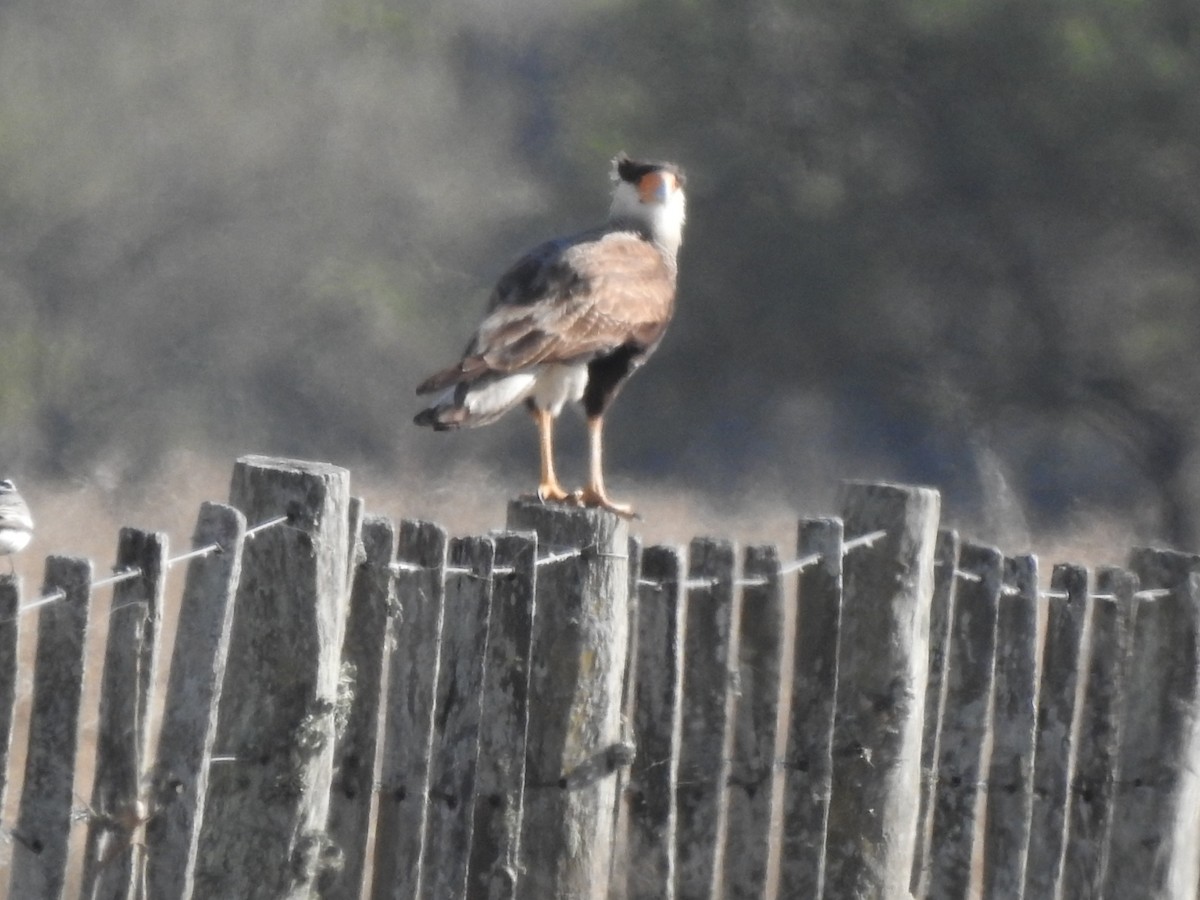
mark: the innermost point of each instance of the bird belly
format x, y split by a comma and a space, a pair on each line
13, 540
557, 384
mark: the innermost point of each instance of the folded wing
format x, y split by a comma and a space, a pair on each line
569, 301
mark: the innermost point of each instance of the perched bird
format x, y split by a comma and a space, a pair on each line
571, 321
16, 525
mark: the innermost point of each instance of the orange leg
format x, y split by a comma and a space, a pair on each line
594, 494
549, 490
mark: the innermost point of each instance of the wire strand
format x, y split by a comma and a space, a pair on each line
134, 572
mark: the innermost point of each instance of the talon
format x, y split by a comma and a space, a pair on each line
590, 496
552, 493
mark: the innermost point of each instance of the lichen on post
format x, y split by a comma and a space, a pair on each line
575, 690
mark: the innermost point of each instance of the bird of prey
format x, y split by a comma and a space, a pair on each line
571, 321
16, 525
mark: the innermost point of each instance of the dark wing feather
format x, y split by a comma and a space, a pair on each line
570, 301
467, 370
593, 297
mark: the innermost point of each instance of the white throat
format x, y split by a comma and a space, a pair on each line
664, 220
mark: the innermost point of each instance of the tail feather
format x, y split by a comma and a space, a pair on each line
477, 403
439, 419
471, 368
439, 381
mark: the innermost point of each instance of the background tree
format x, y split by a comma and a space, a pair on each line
941, 241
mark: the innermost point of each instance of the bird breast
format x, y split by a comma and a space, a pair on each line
559, 384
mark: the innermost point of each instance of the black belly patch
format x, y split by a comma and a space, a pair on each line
607, 374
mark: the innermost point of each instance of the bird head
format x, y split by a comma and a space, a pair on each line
650, 193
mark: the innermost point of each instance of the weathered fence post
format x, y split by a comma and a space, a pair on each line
357, 553
39, 862
408, 727
941, 622
808, 760
1091, 798
1057, 730
969, 668
650, 866
756, 711
263, 833
456, 718
114, 860
623, 813
883, 655
710, 642
372, 601
1014, 726
10, 631
500, 770
1155, 844
179, 781
580, 642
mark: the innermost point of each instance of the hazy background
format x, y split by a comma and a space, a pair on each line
940, 241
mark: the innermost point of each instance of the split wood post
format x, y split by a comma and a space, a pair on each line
263, 833
969, 668
756, 711
39, 860
500, 771
1091, 799
357, 554
1155, 835
883, 656
372, 603
1014, 732
179, 783
624, 812
575, 737
10, 632
710, 645
1057, 730
408, 726
114, 858
457, 718
650, 864
941, 621
808, 759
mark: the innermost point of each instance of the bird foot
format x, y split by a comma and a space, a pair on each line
552, 492
591, 497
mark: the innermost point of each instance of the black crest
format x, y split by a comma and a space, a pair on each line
632, 171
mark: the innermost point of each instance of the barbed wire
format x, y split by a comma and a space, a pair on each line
556, 554
83, 811
1012, 590
132, 572
787, 568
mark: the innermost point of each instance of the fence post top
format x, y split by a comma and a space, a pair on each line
534, 506
562, 525
294, 466
884, 488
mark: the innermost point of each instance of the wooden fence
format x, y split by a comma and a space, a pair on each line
362, 708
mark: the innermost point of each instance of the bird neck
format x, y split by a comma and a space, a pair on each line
661, 223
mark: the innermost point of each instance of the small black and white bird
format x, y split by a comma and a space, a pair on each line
16, 524
571, 321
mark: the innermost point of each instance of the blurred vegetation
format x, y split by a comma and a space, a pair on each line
949, 241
